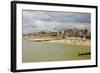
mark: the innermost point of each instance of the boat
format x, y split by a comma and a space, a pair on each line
85, 53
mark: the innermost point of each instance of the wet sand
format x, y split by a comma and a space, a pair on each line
71, 42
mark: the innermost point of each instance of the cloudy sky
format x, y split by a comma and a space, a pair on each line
36, 21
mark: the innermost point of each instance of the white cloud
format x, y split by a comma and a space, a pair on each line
36, 21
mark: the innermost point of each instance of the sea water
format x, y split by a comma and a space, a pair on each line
33, 51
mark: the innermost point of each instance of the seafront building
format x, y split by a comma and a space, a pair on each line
66, 34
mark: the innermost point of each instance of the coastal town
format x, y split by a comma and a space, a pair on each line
73, 36
55, 36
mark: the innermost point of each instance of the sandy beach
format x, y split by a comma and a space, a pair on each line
71, 42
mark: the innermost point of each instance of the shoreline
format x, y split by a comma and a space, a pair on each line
66, 41
73, 42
